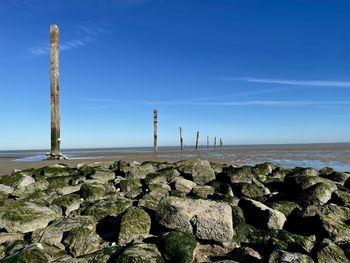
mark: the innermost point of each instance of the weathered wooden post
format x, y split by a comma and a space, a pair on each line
214, 142
181, 139
208, 142
220, 143
54, 87
155, 147
197, 138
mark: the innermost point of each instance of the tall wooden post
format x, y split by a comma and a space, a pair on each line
208, 142
197, 138
54, 87
155, 146
220, 143
214, 142
181, 139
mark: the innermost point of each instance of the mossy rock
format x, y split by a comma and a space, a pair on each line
152, 199
32, 253
42, 198
253, 190
141, 253
14, 246
286, 207
81, 241
236, 175
92, 192
68, 203
135, 225
179, 246
317, 194
41, 185
55, 170
272, 239
58, 182
131, 187
263, 169
202, 191
24, 217
237, 215
103, 255
11, 180
112, 206
330, 252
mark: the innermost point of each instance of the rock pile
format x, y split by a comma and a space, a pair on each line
188, 211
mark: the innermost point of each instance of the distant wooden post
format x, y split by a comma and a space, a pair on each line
155, 147
181, 139
220, 143
197, 138
54, 87
207, 142
214, 142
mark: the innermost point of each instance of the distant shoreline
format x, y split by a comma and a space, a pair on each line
335, 155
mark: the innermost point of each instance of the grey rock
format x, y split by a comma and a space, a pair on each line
24, 217
281, 256
261, 215
207, 220
184, 185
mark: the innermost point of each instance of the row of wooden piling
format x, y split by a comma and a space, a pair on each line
155, 130
55, 152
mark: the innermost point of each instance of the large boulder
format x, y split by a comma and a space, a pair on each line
317, 194
281, 256
31, 253
184, 185
141, 252
260, 215
24, 217
330, 252
200, 171
112, 206
208, 220
131, 187
51, 236
135, 224
133, 169
82, 240
179, 246
92, 191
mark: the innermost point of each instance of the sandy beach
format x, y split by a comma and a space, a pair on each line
336, 156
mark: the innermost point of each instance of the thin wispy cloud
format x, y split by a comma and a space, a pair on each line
293, 82
111, 103
85, 35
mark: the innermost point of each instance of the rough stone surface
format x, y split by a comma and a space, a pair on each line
183, 185
261, 215
288, 257
330, 252
208, 220
141, 253
24, 217
135, 224
200, 171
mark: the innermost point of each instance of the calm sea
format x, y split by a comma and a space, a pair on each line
335, 155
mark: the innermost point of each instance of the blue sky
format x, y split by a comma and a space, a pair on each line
247, 71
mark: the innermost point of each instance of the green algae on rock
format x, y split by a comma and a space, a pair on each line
179, 246
135, 224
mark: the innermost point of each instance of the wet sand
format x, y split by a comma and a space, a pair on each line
336, 156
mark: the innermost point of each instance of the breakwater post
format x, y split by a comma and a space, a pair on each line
155, 122
197, 138
181, 139
54, 92
207, 142
214, 142
220, 143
